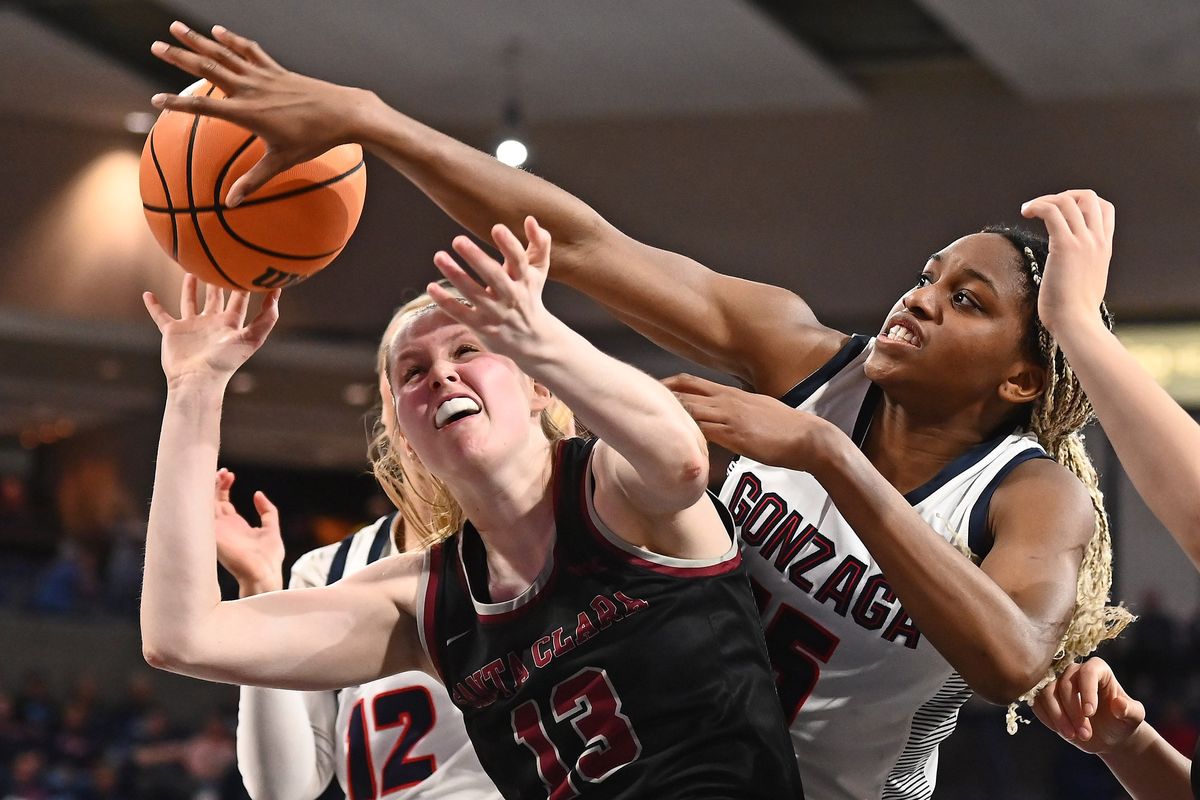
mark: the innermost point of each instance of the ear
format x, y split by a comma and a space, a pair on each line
542, 398
1024, 384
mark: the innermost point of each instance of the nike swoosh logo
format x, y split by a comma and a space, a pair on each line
456, 638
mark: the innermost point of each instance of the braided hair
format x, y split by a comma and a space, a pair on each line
1057, 418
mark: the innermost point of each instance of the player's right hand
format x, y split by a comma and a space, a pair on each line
252, 555
296, 116
1087, 707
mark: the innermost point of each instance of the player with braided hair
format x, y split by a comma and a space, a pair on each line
864, 460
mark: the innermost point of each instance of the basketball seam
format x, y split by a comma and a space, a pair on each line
291, 193
166, 193
258, 201
192, 199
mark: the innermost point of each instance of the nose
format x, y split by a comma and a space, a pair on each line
442, 372
921, 302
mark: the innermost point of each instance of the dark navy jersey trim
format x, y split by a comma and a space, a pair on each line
379, 543
960, 464
804, 389
865, 412
338, 567
977, 533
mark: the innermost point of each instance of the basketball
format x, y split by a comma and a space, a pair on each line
289, 229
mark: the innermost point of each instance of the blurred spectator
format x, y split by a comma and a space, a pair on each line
69, 585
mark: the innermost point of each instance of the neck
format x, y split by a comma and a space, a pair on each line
909, 444
511, 507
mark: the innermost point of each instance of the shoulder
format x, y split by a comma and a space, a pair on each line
793, 353
1042, 496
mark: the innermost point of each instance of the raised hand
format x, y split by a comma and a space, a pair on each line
1087, 707
296, 116
210, 344
1080, 225
507, 311
253, 555
753, 425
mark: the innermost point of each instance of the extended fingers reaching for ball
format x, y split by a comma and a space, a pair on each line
297, 117
210, 343
506, 310
1080, 225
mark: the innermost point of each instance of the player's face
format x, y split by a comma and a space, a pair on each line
958, 334
456, 403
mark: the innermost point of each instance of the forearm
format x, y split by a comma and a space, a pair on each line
667, 297
277, 748
1157, 442
179, 587
627, 409
1149, 768
963, 613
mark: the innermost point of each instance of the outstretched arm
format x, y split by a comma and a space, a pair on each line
1157, 441
652, 460
764, 335
999, 626
1087, 707
310, 639
285, 739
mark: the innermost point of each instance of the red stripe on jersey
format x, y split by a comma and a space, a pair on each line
437, 552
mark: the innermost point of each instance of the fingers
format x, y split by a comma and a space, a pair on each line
202, 45
157, 313
268, 514
1066, 691
1047, 708
1108, 213
513, 251
691, 384
239, 304
538, 252
201, 66
1079, 212
214, 299
267, 167
459, 279
449, 303
1093, 676
496, 277
264, 321
187, 297
246, 48
224, 483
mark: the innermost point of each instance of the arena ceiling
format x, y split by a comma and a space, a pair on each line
827, 145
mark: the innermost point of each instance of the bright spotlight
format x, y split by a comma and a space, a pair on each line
512, 152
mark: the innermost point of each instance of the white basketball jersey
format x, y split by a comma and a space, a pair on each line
868, 698
398, 736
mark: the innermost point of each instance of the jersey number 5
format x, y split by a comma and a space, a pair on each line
590, 702
798, 646
411, 708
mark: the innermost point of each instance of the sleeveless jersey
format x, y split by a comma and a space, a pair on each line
618, 673
398, 736
867, 697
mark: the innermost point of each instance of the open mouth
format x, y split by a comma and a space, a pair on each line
900, 331
454, 409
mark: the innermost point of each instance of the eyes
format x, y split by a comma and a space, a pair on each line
415, 369
962, 297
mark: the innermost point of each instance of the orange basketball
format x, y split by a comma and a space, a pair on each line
289, 229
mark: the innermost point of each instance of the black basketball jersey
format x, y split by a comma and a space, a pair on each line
618, 674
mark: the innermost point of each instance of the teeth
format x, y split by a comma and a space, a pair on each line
453, 407
902, 334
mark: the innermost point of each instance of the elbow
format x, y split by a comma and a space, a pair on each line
1008, 679
158, 657
691, 467
169, 655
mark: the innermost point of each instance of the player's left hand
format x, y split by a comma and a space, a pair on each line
1087, 706
753, 425
506, 312
1080, 226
